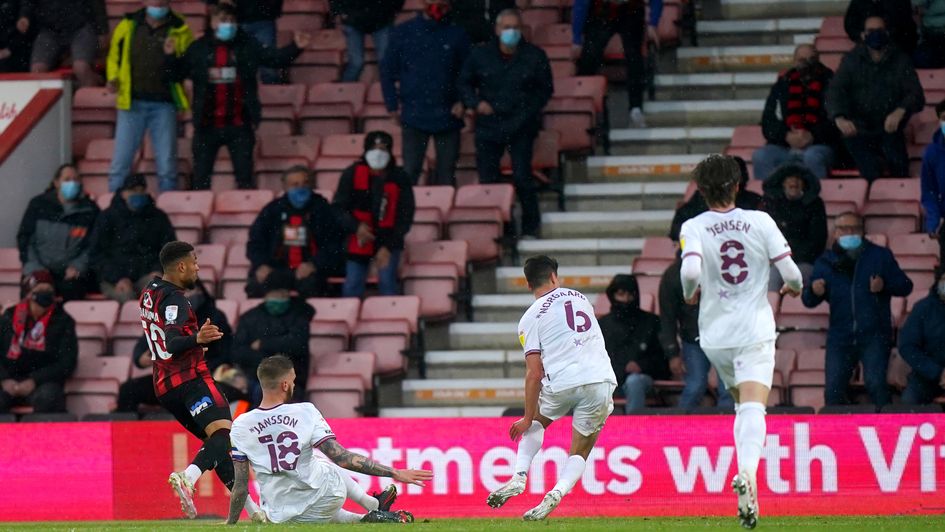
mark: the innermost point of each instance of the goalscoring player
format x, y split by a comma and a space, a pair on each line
727, 255
567, 368
182, 382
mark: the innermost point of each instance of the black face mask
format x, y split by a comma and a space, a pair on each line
624, 309
44, 299
877, 39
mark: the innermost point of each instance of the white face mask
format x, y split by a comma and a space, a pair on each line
377, 159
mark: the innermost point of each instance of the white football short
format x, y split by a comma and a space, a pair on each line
743, 364
327, 500
592, 404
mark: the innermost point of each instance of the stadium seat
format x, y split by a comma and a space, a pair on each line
897, 373
335, 319
479, 215
336, 396
188, 211
828, 45
806, 388
127, 329
432, 209
801, 339
351, 363
651, 265
10, 275
785, 361
233, 212
332, 108
93, 324
915, 251
93, 117
230, 309
93, 388
280, 108
321, 61
794, 315
921, 281
749, 137
212, 259
810, 359
842, 195
385, 327
933, 83
337, 153
893, 206
436, 273
576, 111
94, 166
278, 154
235, 273
832, 27
658, 247
548, 35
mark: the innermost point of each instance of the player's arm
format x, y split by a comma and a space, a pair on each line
178, 338
779, 251
534, 370
691, 270
362, 464
240, 489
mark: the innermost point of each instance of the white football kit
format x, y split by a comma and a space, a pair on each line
295, 485
561, 328
736, 323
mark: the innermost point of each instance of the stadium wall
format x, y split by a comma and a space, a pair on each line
642, 466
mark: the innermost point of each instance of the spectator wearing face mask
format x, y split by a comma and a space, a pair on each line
296, 233
898, 15
478, 17
127, 239
425, 56
376, 204
922, 346
933, 183
55, 234
40, 349
258, 18
792, 198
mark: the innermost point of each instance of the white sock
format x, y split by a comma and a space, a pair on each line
192, 473
250, 506
356, 493
750, 430
573, 470
344, 516
528, 447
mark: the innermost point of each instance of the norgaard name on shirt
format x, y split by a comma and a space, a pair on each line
728, 225
288, 421
546, 304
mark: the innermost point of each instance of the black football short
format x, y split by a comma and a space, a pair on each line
195, 404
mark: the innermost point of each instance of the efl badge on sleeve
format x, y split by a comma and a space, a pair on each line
170, 313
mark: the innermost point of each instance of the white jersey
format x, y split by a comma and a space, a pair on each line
278, 443
737, 249
561, 327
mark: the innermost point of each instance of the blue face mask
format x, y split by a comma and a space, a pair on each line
138, 201
299, 196
942, 127
157, 13
69, 190
226, 31
850, 242
510, 37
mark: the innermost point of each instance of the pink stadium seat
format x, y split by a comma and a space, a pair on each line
552, 35
544, 156
374, 104
351, 363
913, 298
96, 163
807, 388
432, 208
279, 153
933, 82
658, 247
321, 61
747, 137
337, 153
893, 206
535, 18
801, 339
785, 361
93, 324
827, 45
335, 319
841, 195
233, 212
794, 314
897, 373
651, 265
235, 272
575, 110
10, 274
921, 281
832, 27
127, 329
332, 108
188, 211
230, 309
93, 388
93, 117
211, 258
385, 328
336, 396
280, 107
478, 217
811, 359
308, 21
915, 251
435, 273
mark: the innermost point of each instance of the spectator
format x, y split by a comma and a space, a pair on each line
223, 65
857, 278
631, 336
359, 18
792, 198
127, 239
55, 234
425, 56
933, 182
795, 121
78, 25
898, 15
871, 116
279, 325
930, 53
594, 22
41, 349
745, 199
296, 233
922, 345
258, 18
376, 205
679, 321
14, 45
506, 84
145, 100
140, 390
478, 17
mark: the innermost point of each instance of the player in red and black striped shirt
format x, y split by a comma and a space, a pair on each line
182, 381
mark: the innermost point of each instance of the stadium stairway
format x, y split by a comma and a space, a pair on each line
614, 202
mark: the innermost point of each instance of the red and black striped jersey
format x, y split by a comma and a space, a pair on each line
170, 327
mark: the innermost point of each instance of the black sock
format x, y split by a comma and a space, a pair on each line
224, 471
215, 451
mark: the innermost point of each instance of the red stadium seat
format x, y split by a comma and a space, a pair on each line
277, 154
335, 319
93, 388
127, 329
93, 324
374, 105
233, 212
93, 117
336, 396
801, 339
807, 388
321, 61
10, 275
832, 27
478, 217
385, 327
332, 108
188, 211
211, 258
576, 109
230, 309
432, 208
785, 361
651, 265
658, 247
552, 35
747, 137
827, 45
280, 108
794, 315
95, 165
893, 206
811, 359
337, 153
435, 272
841, 195
351, 363
235, 273
915, 251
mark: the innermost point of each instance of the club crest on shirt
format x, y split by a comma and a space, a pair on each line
521, 337
147, 302
37, 331
170, 313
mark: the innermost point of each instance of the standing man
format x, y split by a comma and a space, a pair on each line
425, 57
567, 368
728, 252
146, 100
359, 18
258, 18
506, 84
594, 22
933, 183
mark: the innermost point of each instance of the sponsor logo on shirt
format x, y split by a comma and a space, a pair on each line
201, 405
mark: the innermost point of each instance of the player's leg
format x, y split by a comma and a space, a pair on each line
550, 408
356, 493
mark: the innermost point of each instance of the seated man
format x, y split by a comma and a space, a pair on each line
41, 348
79, 26
922, 345
298, 233
792, 198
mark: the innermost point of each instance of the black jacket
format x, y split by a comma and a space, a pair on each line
696, 205
632, 334
922, 338
678, 320
477, 18
392, 239
366, 16
255, 10
286, 335
865, 92
66, 16
773, 125
55, 364
266, 234
126, 243
53, 239
803, 222
898, 16
250, 56
517, 88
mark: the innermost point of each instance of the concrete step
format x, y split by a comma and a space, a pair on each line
442, 411
714, 85
587, 279
584, 251
463, 392
740, 58
669, 140
624, 196
642, 168
706, 113
477, 364
760, 9
612, 224
754, 32
483, 336
506, 307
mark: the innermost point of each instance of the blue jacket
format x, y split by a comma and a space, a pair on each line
933, 181
922, 338
426, 57
856, 314
582, 8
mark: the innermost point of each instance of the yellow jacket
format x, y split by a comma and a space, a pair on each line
118, 66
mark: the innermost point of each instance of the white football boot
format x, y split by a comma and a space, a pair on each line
513, 487
744, 486
548, 504
184, 489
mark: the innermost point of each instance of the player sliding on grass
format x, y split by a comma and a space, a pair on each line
567, 368
727, 255
295, 486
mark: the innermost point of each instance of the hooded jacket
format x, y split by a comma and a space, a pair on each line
803, 222
55, 364
266, 235
858, 316
933, 181
922, 338
366, 16
773, 124
678, 319
893, 83
126, 243
286, 334
898, 16
53, 236
632, 334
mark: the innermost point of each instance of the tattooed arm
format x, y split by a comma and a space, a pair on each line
240, 490
362, 464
